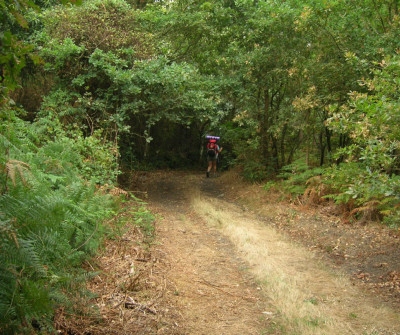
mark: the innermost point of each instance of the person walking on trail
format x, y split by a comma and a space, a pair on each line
213, 150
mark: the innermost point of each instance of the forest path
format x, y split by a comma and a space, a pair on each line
212, 290
231, 272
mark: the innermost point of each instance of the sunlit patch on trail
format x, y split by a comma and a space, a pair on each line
308, 297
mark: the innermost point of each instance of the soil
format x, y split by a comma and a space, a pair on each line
192, 279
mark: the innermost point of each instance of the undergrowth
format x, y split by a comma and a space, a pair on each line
364, 193
295, 177
53, 217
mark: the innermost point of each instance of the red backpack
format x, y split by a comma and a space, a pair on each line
212, 148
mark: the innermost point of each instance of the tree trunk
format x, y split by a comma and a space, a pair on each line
322, 149
146, 144
275, 153
201, 149
294, 147
328, 139
264, 120
282, 145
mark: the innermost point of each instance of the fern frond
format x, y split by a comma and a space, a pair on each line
369, 210
314, 180
15, 165
5, 142
368, 206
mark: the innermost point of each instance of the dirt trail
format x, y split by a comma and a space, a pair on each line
231, 259
230, 272
213, 292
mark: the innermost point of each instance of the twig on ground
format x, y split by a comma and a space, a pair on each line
143, 308
226, 292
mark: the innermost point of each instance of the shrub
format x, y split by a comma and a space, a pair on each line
369, 191
296, 175
255, 171
52, 218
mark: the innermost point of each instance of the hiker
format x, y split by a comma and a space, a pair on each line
213, 150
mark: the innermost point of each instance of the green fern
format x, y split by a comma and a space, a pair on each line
296, 175
51, 220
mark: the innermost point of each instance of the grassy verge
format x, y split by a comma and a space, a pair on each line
308, 298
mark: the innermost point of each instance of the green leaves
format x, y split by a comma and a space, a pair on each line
15, 51
371, 121
107, 25
51, 218
60, 53
12, 59
262, 72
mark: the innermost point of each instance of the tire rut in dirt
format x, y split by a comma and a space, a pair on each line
168, 191
210, 187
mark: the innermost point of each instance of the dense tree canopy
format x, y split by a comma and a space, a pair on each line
294, 88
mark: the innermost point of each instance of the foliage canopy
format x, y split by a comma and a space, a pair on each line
296, 89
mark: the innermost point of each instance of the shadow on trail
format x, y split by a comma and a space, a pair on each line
211, 187
176, 188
